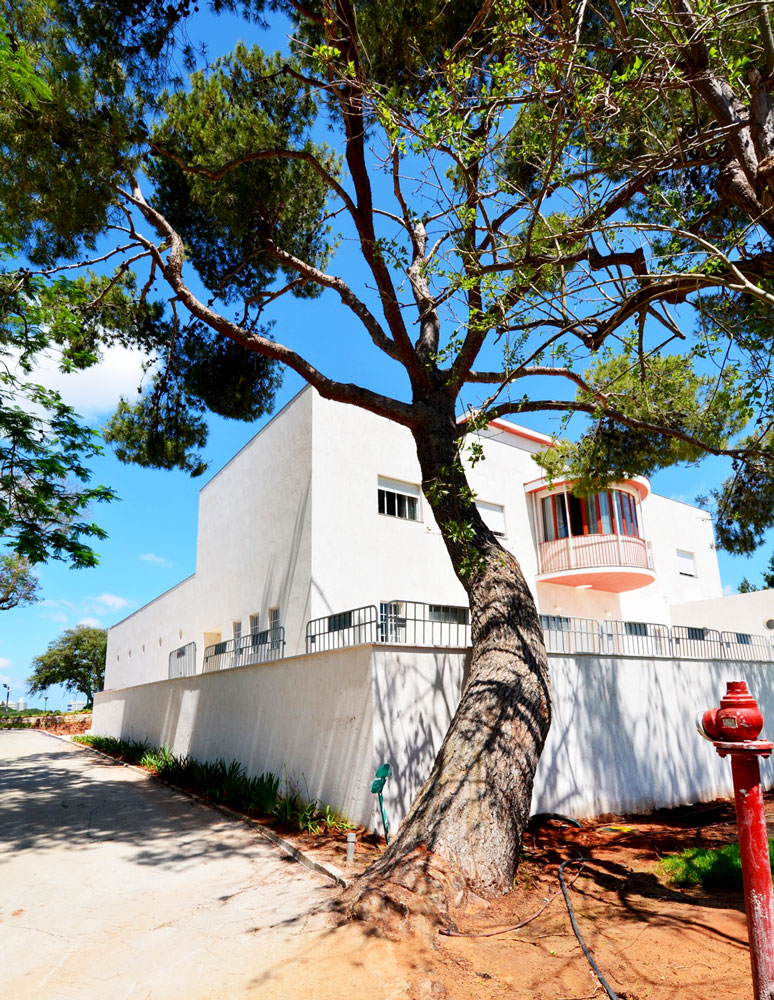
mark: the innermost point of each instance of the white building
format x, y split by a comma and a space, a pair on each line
324, 600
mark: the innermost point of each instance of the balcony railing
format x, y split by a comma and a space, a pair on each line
259, 647
593, 552
410, 623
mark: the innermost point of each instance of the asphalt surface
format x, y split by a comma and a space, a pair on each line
113, 887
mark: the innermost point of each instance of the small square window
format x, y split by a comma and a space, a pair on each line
396, 499
448, 613
493, 516
686, 564
340, 621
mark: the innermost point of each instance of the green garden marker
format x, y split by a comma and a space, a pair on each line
376, 787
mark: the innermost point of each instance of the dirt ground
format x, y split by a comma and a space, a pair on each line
649, 939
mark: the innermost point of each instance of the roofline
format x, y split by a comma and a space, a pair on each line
246, 445
515, 429
152, 601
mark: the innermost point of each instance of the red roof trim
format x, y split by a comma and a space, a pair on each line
522, 432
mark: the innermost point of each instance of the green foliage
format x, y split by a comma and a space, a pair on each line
767, 579
76, 660
18, 583
165, 426
247, 103
662, 394
708, 867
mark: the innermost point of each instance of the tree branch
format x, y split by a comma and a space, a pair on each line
172, 268
600, 410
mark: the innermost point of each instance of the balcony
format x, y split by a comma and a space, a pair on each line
613, 563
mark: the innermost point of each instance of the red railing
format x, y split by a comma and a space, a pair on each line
593, 551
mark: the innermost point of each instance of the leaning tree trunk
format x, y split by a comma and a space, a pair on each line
463, 832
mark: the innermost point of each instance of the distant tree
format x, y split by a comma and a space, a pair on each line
18, 583
76, 660
767, 578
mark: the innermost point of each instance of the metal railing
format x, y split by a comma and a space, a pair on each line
258, 647
593, 552
693, 641
570, 635
744, 646
182, 661
634, 638
409, 623
345, 628
412, 623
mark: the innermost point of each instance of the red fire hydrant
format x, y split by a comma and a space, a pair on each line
734, 728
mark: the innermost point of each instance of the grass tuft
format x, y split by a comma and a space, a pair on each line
708, 867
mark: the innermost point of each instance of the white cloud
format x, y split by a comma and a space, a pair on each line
4, 662
112, 601
151, 557
95, 391
83, 612
728, 590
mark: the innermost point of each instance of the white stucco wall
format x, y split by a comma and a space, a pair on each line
253, 553
622, 737
138, 647
734, 613
416, 693
361, 557
308, 720
254, 540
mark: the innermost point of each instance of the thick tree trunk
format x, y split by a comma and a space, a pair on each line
463, 832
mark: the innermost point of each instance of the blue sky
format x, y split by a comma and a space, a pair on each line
152, 528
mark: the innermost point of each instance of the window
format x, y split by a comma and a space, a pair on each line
555, 623
392, 621
236, 629
255, 624
686, 565
635, 628
339, 621
493, 516
396, 499
744, 638
448, 613
554, 517
609, 513
697, 634
274, 627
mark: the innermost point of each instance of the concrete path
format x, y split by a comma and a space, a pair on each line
113, 887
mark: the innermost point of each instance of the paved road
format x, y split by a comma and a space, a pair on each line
113, 887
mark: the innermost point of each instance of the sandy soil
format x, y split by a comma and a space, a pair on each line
649, 939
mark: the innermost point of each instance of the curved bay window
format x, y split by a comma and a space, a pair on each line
613, 512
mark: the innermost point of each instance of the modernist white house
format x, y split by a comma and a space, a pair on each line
324, 631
